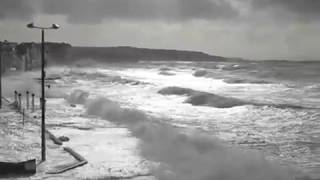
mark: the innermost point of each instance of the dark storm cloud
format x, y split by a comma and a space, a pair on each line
306, 9
84, 11
15, 9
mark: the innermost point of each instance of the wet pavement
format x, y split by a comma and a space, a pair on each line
110, 150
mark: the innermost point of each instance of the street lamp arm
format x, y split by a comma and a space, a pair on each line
53, 26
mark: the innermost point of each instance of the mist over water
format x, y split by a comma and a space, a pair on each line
19, 83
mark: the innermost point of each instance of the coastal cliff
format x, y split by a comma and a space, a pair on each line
27, 56
126, 53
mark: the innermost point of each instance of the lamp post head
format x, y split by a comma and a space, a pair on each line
30, 25
55, 26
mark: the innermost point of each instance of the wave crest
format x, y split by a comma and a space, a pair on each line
78, 97
245, 81
200, 73
112, 111
198, 98
173, 90
186, 156
166, 73
213, 100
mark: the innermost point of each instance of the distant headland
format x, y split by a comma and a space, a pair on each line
27, 55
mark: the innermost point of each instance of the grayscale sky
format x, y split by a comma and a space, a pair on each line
255, 29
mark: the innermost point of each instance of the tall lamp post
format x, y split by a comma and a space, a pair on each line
43, 75
1, 44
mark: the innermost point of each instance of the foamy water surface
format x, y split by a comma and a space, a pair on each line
280, 121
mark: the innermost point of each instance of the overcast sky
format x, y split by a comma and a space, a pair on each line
255, 29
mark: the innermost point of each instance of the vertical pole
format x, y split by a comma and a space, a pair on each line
20, 103
32, 102
0, 75
27, 99
15, 96
43, 138
23, 116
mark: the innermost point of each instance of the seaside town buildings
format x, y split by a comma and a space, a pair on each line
27, 56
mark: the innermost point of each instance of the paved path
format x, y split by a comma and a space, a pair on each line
21, 141
18, 141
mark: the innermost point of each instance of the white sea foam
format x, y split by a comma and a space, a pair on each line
77, 97
186, 157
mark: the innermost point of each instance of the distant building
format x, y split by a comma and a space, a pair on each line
27, 56
8, 55
7, 46
30, 54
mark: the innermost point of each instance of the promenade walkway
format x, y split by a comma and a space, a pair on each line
20, 140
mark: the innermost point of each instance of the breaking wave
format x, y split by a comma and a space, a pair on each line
112, 111
207, 99
166, 73
173, 90
200, 73
77, 97
186, 156
199, 98
121, 80
105, 77
245, 81
232, 67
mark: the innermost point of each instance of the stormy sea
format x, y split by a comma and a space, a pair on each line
169, 120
